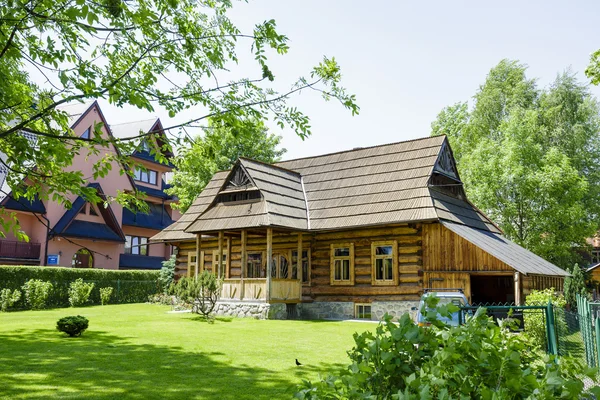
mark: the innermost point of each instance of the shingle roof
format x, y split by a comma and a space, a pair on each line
367, 186
156, 218
506, 251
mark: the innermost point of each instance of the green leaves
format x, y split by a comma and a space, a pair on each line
519, 152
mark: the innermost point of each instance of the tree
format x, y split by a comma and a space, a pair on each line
529, 158
174, 54
574, 285
218, 150
202, 292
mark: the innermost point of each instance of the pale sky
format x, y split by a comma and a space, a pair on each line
405, 61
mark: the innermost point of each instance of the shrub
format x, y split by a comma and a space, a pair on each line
129, 286
73, 326
79, 292
477, 360
8, 298
574, 285
167, 273
535, 322
163, 299
202, 292
36, 293
105, 294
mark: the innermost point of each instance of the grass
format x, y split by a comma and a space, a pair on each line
138, 351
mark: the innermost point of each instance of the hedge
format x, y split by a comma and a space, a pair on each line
129, 286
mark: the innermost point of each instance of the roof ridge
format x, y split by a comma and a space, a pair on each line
273, 165
135, 122
362, 148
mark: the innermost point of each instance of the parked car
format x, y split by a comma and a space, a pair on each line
446, 296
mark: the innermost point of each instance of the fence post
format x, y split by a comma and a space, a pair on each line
551, 330
118, 290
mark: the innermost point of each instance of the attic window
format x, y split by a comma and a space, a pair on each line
238, 180
445, 163
145, 146
238, 196
86, 134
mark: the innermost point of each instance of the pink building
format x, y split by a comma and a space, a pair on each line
89, 235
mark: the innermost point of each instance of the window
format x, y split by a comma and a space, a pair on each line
148, 176
305, 265
362, 311
223, 265
86, 133
83, 211
384, 260
280, 266
145, 146
233, 197
595, 255
254, 266
93, 210
136, 245
342, 264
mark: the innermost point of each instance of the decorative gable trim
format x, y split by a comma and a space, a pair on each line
445, 164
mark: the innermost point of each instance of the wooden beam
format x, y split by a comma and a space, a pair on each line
269, 261
517, 288
299, 258
244, 262
228, 258
198, 252
220, 256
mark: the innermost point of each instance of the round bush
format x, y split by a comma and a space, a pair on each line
73, 326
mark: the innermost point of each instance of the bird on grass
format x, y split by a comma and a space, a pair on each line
298, 363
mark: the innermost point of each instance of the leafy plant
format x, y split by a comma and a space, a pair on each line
574, 285
8, 298
202, 292
73, 325
79, 292
105, 295
167, 273
477, 360
534, 323
36, 293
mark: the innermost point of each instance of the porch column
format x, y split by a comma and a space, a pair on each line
299, 259
220, 257
518, 288
198, 253
269, 261
244, 263
228, 259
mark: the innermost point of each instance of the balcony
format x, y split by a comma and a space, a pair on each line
19, 250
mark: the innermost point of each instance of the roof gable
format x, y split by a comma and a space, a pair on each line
67, 225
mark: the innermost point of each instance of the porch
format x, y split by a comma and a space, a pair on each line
252, 269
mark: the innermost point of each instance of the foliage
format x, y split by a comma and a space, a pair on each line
530, 158
79, 292
167, 272
574, 285
176, 55
128, 286
105, 295
36, 293
73, 325
202, 292
477, 360
8, 298
163, 299
534, 323
218, 150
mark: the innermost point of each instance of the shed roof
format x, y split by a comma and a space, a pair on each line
506, 251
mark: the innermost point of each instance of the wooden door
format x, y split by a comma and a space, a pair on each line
448, 280
83, 260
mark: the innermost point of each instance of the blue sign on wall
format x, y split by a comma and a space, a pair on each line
53, 259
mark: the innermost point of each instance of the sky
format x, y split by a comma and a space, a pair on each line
405, 61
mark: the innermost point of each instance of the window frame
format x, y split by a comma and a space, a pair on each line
262, 264
308, 256
357, 314
144, 175
136, 242
86, 134
213, 261
374, 257
333, 258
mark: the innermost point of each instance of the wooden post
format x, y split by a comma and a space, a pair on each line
518, 288
299, 259
198, 253
244, 262
227, 260
269, 261
220, 257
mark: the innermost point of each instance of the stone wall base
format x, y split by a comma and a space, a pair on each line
393, 308
245, 309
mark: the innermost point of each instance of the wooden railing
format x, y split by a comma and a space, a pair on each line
14, 249
256, 289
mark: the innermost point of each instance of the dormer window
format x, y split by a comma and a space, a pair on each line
237, 197
147, 176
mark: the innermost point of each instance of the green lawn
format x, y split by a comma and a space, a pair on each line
140, 351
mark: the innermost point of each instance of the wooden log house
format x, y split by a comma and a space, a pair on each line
352, 234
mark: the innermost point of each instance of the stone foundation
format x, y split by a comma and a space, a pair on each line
327, 310
256, 310
393, 308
